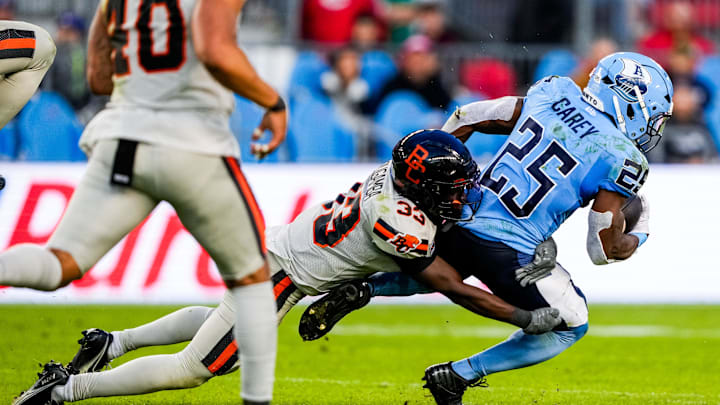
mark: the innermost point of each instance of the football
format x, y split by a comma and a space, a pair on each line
632, 209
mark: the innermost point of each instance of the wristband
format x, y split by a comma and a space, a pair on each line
642, 237
279, 106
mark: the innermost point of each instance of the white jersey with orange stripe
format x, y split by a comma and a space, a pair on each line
162, 93
353, 236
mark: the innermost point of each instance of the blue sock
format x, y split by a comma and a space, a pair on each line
519, 350
396, 284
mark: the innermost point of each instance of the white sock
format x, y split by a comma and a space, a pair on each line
139, 376
30, 266
256, 334
177, 327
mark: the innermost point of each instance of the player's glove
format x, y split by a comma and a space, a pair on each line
643, 223
542, 320
543, 263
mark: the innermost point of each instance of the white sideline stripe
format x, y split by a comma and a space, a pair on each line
608, 331
674, 397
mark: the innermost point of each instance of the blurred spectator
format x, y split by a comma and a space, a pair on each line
681, 64
419, 72
343, 83
7, 9
67, 75
548, 21
676, 33
348, 91
331, 21
490, 77
599, 49
686, 138
431, 21
400, 15
365, 34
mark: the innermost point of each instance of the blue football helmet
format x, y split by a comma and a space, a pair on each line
635, 92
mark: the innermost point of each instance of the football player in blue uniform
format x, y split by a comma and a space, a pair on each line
566, 148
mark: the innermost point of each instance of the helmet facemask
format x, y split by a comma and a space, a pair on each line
655, 125
445, 203
459, 201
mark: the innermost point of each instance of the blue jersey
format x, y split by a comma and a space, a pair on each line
560, 154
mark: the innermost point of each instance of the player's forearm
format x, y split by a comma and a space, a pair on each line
488, 305
214, 39
234, 71
99, 63
497, 116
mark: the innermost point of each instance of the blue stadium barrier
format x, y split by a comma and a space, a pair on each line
315, 135
48, 130
9, 141
243, 121
557, 62
377, 68
399, 114
709, 73
305, 77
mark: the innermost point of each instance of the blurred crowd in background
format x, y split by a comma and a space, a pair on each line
359, 74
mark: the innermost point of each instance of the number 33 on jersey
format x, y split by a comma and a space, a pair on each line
358, 233
397, 226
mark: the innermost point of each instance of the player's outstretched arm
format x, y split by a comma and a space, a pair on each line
443, 278
214, 38
99, 63
607, 240
497, 116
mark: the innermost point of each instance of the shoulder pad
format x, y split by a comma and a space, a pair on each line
404, 232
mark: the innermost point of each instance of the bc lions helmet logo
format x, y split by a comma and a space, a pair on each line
632, 74
404, 243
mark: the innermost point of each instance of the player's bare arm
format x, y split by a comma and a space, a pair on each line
497, 116
442, 277
99, 63
607, 240
214, 37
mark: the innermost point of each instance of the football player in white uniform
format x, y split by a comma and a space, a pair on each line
387, 223
26, 53
171, 67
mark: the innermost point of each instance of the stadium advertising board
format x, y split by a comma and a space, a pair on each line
160, 262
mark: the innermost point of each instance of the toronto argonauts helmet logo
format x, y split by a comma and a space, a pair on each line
633, 74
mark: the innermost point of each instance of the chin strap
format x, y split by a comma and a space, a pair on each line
643, 108
619, 116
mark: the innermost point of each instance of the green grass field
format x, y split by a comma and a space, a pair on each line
632, 355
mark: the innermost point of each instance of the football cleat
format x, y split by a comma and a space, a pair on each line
40, 393
320, 317
446, 386
92, 355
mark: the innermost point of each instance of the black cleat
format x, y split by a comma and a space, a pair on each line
92, 355
446, 386
320, 317
40, 393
